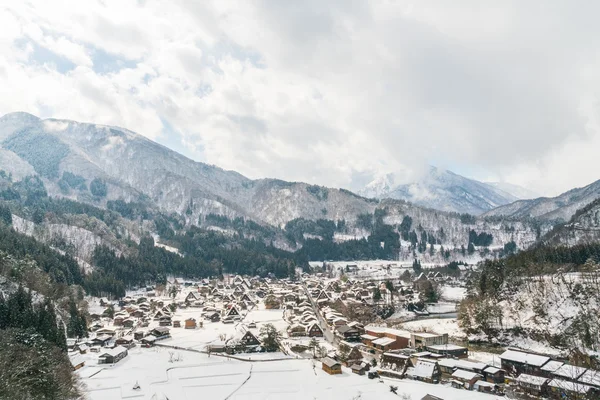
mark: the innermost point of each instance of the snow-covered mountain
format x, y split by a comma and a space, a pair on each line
560, 208
517, 191
72, 158
582, 228
378, 187
442, 190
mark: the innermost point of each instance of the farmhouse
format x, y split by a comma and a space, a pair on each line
112, 356
462, 378
426, 339
190, 323
516, 362
534, 385
425, 371
331, 366
449, 350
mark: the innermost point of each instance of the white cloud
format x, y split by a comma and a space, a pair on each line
330, 93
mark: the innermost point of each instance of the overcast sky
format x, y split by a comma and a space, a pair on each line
329, 92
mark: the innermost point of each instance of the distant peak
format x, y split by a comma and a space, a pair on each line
19, 116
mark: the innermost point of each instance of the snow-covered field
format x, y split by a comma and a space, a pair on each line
438, 325
453, 293
200, 376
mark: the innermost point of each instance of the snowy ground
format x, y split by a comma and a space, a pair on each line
201, 376
438, 325
453, 293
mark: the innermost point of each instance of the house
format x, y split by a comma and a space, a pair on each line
125, 341
331, 366
354, 356
483, 386
160, 332
550, 367
449, 350
112, 356
516, 362
193, 297
385, 339
568, 372
249, 339
591, 377
137, 335
314, 330
358, 369
425, 371
101, 340
561, 389
190, 323
296, 330
466, 379
348, 333
533, 385
77, 362
176, 323
396, 361
494, 375
213, 316
82, 348
426, 339
431, 397
148, 340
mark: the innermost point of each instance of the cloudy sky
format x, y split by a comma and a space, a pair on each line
329, 92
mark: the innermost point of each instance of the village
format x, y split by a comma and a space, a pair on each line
212, 336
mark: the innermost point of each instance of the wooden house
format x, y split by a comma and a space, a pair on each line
77, 362
425, 371
314, 330
176, 323
112, 356
533, 385
190, 323
516, 363
249, 339
494, 375
331, 366
358, 369
466, 379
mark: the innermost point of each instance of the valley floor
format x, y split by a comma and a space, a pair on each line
200, 376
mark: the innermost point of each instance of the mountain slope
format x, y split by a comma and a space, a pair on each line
442, 190
582, 228
95, 164
560, 208
517, 191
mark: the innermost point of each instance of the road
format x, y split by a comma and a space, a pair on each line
327, 333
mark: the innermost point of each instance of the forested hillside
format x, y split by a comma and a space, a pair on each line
547, 294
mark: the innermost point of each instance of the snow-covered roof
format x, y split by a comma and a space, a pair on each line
396, 355
552, 366
368, 337
330, 362
524, 358
569, 386
591, 376
491, 370
484, 384
532, 380
115, 351
570, 371
466, 375
448, 362
469, 365
384, 341
448, 346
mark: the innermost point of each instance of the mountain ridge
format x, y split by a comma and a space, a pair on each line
443, 190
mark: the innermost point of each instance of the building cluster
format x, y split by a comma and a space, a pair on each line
539, 375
